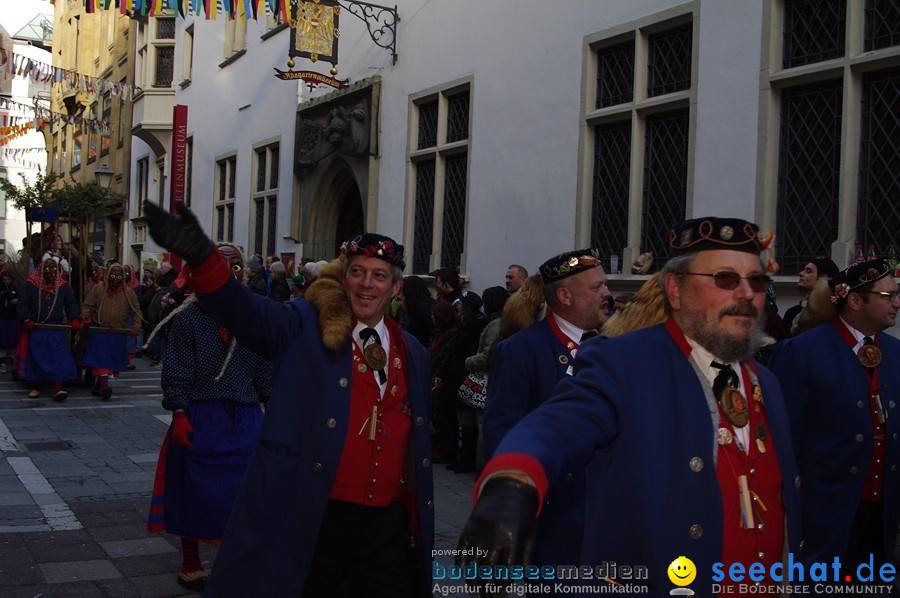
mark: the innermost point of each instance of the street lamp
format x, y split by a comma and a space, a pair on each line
103, 176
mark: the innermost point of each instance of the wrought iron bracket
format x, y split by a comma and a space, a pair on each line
381, 21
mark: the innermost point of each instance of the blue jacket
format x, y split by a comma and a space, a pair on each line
524, 370
831, 424
271, 536
634, 414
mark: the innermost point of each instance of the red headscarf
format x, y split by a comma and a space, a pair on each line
37, 279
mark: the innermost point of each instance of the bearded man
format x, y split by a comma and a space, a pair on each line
684, 438
111, 304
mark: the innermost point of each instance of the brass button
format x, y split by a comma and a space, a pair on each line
331, 422
752, 471
569, 477
420, 420
696, 464
761, 554
426, 462
317, 467
343, 383
376, 463
374, 480
860, 404
859, 437
892, 404
854, 469
370, 497
695, 532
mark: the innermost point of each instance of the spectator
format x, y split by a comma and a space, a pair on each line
418, 308
279, 290
516, 276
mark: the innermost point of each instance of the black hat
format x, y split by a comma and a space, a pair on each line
825, 266
374, 245
700, 234
856, 275
569, 263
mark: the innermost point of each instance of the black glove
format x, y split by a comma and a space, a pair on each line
503, 523
181, 234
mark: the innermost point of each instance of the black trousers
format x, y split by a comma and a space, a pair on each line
363, 551
867, 541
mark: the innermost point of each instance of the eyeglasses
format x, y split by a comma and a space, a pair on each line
891, 295
730, 280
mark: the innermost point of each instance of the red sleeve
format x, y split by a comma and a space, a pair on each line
516, 462
211, 275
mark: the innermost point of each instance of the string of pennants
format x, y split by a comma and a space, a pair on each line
231, 9
19, 155
7, 134
44, 115
42, 72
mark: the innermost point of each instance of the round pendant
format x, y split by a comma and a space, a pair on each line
375, 356
724, 436
563, 359
734, 407
869, 356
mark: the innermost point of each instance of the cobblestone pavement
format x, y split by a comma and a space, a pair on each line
75, 482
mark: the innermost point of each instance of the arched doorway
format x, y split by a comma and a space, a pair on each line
351, 220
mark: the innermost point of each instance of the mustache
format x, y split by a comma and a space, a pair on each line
740, 309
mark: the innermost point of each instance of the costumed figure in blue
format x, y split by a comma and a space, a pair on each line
841, 380
44, 355
339, 491
215, 388
110, 304
684, 438
10, 325
525, 369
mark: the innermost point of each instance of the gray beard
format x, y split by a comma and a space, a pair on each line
732, 349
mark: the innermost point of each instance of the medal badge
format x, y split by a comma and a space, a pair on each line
869, 356
734, 407
376, 357
724, 436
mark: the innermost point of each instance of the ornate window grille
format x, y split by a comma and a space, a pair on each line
458, 117
612, 158
814, 31
882, 24
878, 210
665, 179
615, 75
428, 115
669, 63
453, 239
423, 227
808, 173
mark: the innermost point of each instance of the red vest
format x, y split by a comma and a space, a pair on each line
371, 469
763, 542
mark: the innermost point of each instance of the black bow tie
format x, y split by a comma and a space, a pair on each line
588, 334
725, 378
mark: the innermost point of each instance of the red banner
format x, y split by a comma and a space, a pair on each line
178, 177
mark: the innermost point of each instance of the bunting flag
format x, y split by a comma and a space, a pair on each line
42, 72
7, 134
242, 10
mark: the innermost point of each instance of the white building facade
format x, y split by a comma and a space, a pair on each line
508, 131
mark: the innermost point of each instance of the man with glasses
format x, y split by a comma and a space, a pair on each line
842, 383
109, 305
685, 439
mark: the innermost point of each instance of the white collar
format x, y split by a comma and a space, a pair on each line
569, 329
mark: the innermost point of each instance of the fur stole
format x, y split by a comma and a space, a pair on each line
648, 308
818, 308
523, 308
327, 295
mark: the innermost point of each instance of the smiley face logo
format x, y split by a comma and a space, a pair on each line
682, 571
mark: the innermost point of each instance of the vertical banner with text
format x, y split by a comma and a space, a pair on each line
179, 162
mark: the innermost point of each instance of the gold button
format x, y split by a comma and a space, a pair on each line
426, 462
695, 532
696, 464
420, 420
376, 463
374, 480
317, 467
331, 422
378, 448
343, 383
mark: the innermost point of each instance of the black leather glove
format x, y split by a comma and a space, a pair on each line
502, 523
181, 234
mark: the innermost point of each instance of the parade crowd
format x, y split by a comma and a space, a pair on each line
688, 419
